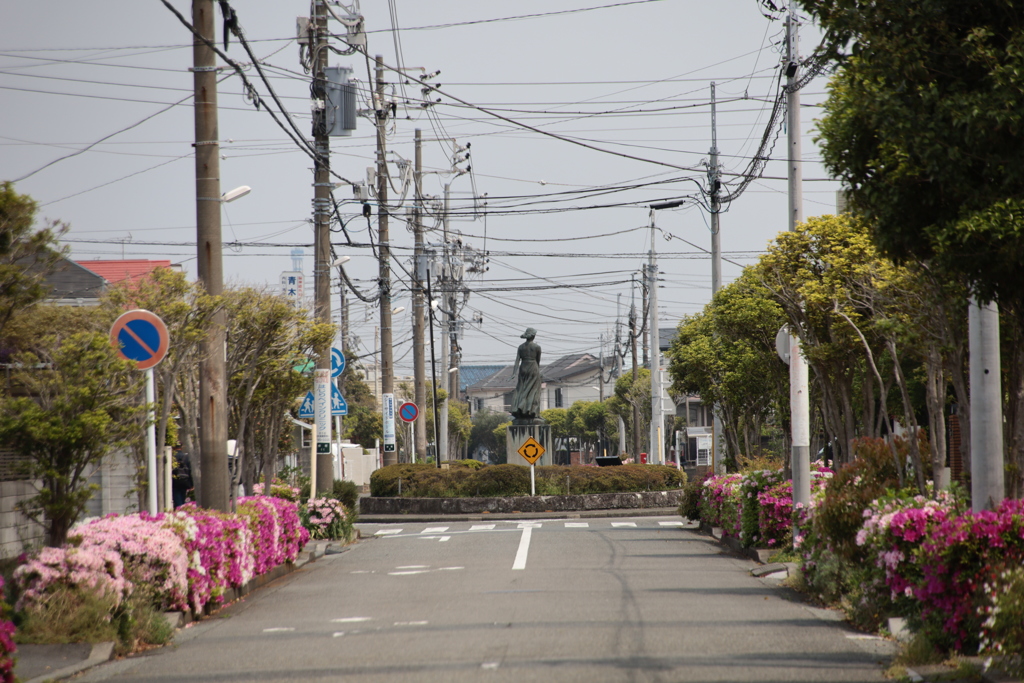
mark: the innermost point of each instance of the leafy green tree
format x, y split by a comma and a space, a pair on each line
81, 402
482, 440
459, 428
631, 394
364, 424
26, 257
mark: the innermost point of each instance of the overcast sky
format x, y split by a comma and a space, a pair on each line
630, 78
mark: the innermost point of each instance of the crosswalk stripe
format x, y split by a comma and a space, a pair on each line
670, 523
617, 524
387, 532
579, 525
481, 527
435, 530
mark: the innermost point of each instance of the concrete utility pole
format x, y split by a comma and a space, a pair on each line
636, 372
445, 282
418, 321
213, 384
987, 487
715, 186
387, 380
799, 397
322, 249
657, 405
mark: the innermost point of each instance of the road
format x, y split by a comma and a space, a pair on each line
621, 599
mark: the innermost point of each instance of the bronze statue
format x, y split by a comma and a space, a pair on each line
526, 370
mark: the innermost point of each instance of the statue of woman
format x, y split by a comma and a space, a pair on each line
526, 370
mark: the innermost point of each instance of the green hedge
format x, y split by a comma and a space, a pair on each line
470, 478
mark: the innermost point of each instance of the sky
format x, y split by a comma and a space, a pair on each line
578, 114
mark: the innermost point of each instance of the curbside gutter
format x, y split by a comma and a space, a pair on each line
519, 504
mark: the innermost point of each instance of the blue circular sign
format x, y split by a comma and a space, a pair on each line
140, 336
337, 363
408, 411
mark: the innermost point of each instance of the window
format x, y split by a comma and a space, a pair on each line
558, 398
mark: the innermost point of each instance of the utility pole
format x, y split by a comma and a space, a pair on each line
987, 486
445, 335
419, 272
322, 248
715, 186
381, 111
657, 405
799, 399
213, 384
636, 372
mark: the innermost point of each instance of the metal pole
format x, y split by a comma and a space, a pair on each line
213, 431
798, 375
153, 471
168, 479
987, 487
657, 408
322, 237
386, 351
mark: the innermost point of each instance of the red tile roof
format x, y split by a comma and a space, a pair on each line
118, 271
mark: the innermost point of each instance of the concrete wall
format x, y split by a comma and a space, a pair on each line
17, 532
115, 479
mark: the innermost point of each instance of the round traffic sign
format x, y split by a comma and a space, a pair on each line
337, 362
408, 411
140, 336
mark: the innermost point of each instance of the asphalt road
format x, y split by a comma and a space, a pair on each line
620, 599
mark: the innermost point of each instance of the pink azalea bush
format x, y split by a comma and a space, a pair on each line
278, 489
278, 534
7, 646
326, 518
93, 569
720, 503
153, 555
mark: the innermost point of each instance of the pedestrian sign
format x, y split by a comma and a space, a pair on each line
339, 406
306, 410
531, 450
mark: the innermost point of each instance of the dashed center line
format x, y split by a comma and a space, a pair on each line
435, 530
618, 524
350, 620
482, 527
278, 629
413, 566
577, 525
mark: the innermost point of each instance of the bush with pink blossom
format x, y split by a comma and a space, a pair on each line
720, 503
95, 570
278, 534
326, 518
278, 489
7, 646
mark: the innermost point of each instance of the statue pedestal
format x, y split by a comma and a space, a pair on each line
516, 435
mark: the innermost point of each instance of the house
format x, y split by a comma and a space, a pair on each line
571, 378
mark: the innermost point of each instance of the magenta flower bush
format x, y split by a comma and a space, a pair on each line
98, 570
775, 514
326, 518
153, 555
278, 534
7, 646
720, 503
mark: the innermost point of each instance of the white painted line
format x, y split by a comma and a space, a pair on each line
490, 666
435, 530
671, 523
361, 571
577, 525
524, 548
387, 532
279, 629
618, 524
411, 623
337, 634
445, 538
862, 636
482, 527
529, 525
350, 620
413, 566
449, 569
409, 573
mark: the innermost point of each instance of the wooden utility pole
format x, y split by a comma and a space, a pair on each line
213, 430
418, 320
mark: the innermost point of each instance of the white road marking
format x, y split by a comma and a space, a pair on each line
862, 636
361, 571
529, 525
618, 524
448, 569
337, 634
413, 566
350, 620
279, 629
435, 530
482, 527
411, 623
445, 538
490, 666
409, 573
387, 532
524, 548
577, 525
670, 523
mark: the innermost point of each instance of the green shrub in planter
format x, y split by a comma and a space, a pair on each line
346, 492
499, 480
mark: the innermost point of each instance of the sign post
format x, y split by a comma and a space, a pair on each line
388, 407
532, 451
141, 336
408, 411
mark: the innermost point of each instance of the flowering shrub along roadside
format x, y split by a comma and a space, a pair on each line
720, 503
326, 518
7, 647
188, 558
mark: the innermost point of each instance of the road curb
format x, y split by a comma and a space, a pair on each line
101, 652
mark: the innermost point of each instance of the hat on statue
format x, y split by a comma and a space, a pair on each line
530, 332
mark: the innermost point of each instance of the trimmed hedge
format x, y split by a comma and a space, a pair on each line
470, 478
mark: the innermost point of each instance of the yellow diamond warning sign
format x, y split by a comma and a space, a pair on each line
531, 450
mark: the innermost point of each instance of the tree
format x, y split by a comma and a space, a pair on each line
26, 257
482, 441
82, 401
630, 394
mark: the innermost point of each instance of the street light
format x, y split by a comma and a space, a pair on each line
236, 193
